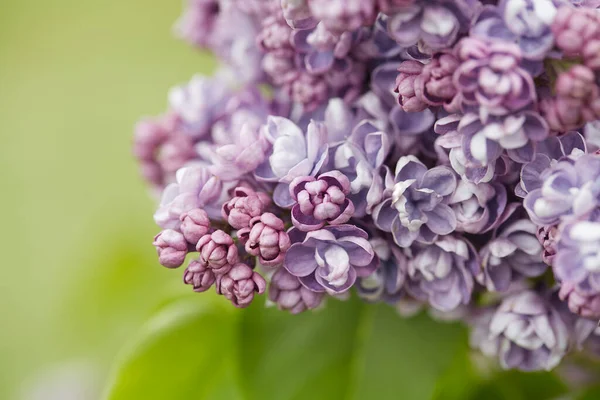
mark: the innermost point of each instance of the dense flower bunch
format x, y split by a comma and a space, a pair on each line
424, 153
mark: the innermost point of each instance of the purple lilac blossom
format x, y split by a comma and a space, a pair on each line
289, 294
195, 187
436, 23
577, 254
490, 78
387, 282
442, 273
567, 189
524, 332
514, 253
321, 201
293, 154
330, 259
524, 22
478, 207
281, 162
416, 207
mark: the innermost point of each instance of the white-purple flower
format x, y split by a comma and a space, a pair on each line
483, 141
490, 77
436, 23
514, 253
524, 22
387, 282
195, 187
293, 154
330, 259
442, 273
577, 259
416, 208
526, 333
569, 188
478, 207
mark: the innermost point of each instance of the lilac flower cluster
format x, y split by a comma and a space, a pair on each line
437, 153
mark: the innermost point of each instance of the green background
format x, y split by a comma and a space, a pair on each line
79, 276
78, 273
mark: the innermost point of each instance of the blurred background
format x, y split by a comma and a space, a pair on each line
79, 274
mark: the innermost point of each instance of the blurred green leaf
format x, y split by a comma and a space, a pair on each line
592, 393
515, 385
187, 351
348, 350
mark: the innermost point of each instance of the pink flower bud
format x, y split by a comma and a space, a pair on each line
171, 247
240, 284
289, 294
199, 276
245, 205
266, 239
217, 252
405, 86
194, 225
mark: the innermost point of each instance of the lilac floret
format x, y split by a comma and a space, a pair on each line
330, 259
569, 189
442, 273
416, 208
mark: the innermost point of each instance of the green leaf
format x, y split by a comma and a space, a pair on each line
187, 351
404, 357
347, 350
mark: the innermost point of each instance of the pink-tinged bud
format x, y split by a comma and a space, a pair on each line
266, 239
588, 306
194, 225
199, 276
217, 252
577, 33
577, 100
245, 205
547, 238
405, 86
240, 284
171, 247
289, 294
435, 85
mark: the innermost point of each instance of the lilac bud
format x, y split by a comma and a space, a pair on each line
240, 284
586, 305
321, 200
217, 251
577, 100
275, 35
547, 237
194, 225
266, 239
289, 294
405, 86
310, 91
245, 205
435, 86
199, 276
577, 33
171, 247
